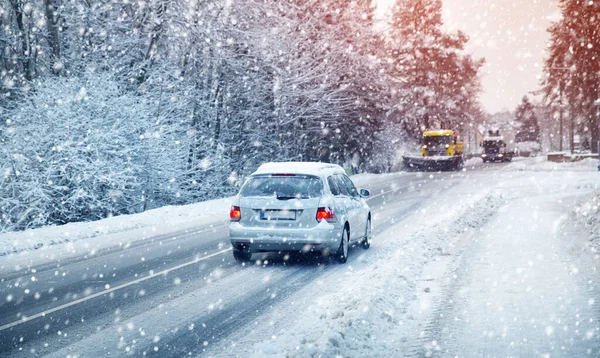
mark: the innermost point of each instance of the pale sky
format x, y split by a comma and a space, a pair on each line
511, 35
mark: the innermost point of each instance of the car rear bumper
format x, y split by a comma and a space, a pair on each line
323, 237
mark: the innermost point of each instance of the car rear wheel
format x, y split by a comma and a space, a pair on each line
342, 252
368, 236
242, 256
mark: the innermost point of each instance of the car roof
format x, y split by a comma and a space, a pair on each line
309, 168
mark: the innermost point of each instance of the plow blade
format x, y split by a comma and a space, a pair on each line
427, 164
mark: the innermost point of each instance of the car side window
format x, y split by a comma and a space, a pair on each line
343, 187
350, 185
333, 186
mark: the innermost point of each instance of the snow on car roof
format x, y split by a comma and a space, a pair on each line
493, 138
312, 168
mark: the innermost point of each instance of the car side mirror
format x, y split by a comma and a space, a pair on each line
480, 144
365, 193
504, 145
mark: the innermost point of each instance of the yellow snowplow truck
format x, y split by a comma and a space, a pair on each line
440, 150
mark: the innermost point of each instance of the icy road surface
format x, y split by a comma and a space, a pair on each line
487, 262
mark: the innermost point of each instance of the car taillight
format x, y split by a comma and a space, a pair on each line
235, 214
326, 214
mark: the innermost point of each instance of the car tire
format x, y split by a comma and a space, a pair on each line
341, 254
366, 243
242, 256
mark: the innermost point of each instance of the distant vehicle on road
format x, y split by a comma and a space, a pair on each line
440, 150
495, 148
299, 207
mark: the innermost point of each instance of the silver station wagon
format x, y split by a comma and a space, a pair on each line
299, 207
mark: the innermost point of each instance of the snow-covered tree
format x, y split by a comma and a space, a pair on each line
572, 67
527, 122
183, 98
438, 82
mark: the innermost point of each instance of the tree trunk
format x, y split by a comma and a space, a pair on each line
53, 35
193, 133
217, 132
160, 10
28, 68
594, 125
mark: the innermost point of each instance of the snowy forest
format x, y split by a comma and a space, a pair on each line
111, 107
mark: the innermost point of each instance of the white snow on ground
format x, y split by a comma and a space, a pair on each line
117, 230
518, 291
587, 213
542, 164
365, 179
473, 162
496, 246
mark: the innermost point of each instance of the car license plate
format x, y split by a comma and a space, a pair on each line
278, 214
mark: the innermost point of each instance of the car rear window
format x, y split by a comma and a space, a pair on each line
283, 187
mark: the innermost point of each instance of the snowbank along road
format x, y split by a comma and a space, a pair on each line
491, 261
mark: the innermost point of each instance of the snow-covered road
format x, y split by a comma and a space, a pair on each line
488, 262
519, 290
525, 283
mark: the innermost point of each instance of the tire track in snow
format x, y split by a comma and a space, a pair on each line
217, 326
104, 311
70, 284
138, 244
428, 343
